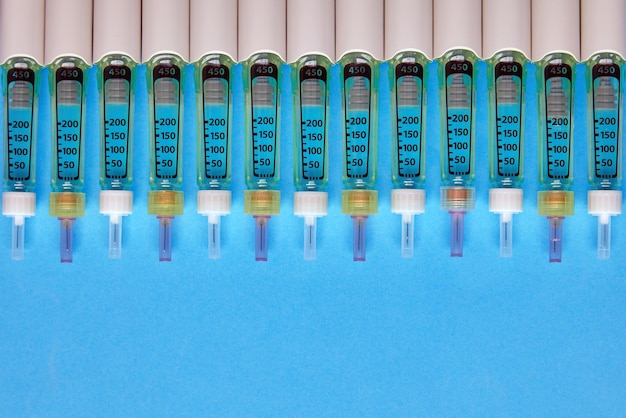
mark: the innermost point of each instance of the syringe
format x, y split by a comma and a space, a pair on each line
68, 54
21, 52
262, 37
116, 43
165, 50
603, 44
457, 42
555, 49
408, 25
214, 52
311, 54
506, 39
359, 31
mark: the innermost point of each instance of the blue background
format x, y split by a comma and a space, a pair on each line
432, 335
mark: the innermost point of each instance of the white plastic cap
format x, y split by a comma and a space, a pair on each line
68, 29
213, 202
602, 26
506, 26
117, 28
213, 28
408, 201
604, 202
18, 204
555, 27
21, 29
164, 28
408, 25
310, 28
359, 27
457, 24
503, 200
116, 202
262, 27
310, 204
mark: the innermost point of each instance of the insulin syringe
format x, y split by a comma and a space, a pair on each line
310, 54
506, 40
68, 55
603, 44
408, 24
116, 44
359, 32
21, 55
457, 43
262, 41
214, 52
165, 50
555, 49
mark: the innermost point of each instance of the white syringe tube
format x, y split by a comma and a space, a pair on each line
22, 29
408, 26
506, 26
21, 36
457, 25
117, 28
165, 28
302, 39
602, 27
555, 28
220, 36
68, 29
261, 27
359, 27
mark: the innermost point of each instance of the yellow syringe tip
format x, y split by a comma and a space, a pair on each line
165, 202
261, 202
555, 203
67, 204
359, 202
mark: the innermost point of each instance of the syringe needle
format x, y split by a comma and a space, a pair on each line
115, 237
17, 252
165, 238
556, 243
260, 237
506, 235
66, 239
407, 236
604, 237
456, 233
214, 236
310, 227
358, 237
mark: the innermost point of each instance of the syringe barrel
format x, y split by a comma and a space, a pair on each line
457, 75
408, 72
311, 128
359, 97
214, 78
116, 87
555, 103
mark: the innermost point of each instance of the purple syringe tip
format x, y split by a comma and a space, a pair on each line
456, 233
165, 238
358, 238
556, 242
67, 239
260, 237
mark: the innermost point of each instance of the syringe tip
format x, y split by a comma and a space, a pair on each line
115, 237
407, 235
555, 242
17, 244
67, 239
165, 238
456, 233
604, 237
214, 236
260, 237
506, 235
310, 237
358, 238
